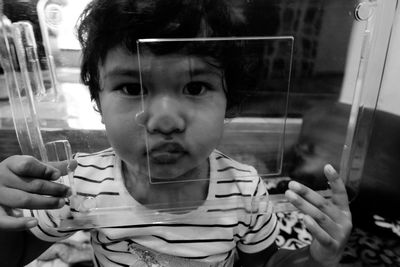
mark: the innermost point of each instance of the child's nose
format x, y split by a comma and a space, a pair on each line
162, 115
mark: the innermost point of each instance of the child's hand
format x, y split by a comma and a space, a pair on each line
329, 221
26, 183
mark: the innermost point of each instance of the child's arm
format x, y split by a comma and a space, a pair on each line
329, 222
26, 183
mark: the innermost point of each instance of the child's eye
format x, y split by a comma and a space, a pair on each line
132, 89
195, 88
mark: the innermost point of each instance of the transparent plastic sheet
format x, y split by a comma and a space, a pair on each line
25, 86
38, 100
20, 92
51, 78
31, 102
31, 41
376, 19
26, 49
246, 76
157, 214
166, 163
19, 61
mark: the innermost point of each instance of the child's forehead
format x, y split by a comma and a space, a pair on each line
122, 58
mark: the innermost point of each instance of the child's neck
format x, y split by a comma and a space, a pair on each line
169, 195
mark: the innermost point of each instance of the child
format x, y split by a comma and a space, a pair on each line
187, 92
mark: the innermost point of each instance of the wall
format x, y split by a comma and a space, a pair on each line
389, 99
383, 63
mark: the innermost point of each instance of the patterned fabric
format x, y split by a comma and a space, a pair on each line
292, 232
210, 240
364, 248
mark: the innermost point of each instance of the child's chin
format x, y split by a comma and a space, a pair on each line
165, 177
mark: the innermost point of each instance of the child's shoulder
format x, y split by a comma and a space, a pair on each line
94, 163
95, 170
228, 168
222, 159
232, 178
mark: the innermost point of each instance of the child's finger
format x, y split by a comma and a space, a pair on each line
318, 233
314, 198
14, 198
324, 221
64, 166
334, 212
27, 166
38, 186
339, 194
15, 224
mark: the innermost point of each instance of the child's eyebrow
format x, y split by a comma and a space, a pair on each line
193, 70
205, 71
121, 71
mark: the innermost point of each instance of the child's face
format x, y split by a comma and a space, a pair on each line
182, 112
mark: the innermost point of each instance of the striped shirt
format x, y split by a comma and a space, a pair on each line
211, 239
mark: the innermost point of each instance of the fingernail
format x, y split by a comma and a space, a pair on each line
294, 185
307, 220
17, 212
31, 223
290, 195
61, 202
69, 192
330, 169
55, 175
72, 165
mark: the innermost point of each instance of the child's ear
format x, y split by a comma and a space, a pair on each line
97, 107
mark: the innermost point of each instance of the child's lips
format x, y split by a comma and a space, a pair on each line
166, 152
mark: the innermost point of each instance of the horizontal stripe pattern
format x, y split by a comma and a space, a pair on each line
95, 166
225, 223
92, 180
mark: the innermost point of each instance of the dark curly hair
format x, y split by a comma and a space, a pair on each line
105, 24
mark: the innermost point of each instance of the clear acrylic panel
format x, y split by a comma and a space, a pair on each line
47, 101
197, 99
